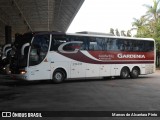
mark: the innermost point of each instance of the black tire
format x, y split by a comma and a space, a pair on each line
124, 73
135, 73
58, 76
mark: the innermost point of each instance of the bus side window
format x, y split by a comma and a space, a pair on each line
100, 45
124, 45
85, 44
141, 46
121, 45
110, 44
56, 42
93, 44
113, 44
149, 46
130, 45
151, 43
54, 45
82, 45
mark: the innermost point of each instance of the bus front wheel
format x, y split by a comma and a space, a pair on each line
58, 76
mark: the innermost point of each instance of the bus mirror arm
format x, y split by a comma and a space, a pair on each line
7, 51
4, 48
23, 47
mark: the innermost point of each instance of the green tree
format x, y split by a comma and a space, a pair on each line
153, 12
141, 26
149, 24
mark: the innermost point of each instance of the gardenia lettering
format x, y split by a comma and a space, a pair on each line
130, 56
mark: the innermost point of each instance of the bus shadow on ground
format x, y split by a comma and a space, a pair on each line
106, 79
16, 83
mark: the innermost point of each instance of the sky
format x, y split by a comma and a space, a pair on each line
101, 15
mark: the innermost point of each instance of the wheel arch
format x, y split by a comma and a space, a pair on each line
62, 69
125, 67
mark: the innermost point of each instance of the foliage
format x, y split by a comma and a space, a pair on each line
148, 26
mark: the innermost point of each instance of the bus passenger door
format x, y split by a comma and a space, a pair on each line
40, 72
77, 70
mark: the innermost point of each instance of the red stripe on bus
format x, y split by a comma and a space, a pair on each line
111, 57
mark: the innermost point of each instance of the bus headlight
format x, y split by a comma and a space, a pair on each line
23, 71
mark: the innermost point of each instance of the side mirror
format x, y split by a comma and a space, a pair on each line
4, 48
23, 47
7, 51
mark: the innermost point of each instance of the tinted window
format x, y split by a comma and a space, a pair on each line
77, 42
101, 44
135, 45
57, 40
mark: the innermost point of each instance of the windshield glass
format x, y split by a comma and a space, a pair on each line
18, 60
39, 49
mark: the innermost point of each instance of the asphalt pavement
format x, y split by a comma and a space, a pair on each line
111, 94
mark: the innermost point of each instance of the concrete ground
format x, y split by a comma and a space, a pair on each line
142, 94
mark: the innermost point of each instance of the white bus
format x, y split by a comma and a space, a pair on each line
60, 56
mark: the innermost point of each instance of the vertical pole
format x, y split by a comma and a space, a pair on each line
8, 34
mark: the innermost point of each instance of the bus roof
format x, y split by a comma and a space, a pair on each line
90, 35
109, 36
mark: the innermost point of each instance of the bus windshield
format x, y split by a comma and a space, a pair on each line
17, 59
39, 49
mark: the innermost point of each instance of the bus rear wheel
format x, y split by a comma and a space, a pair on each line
124, 73
58, 76
135, 73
